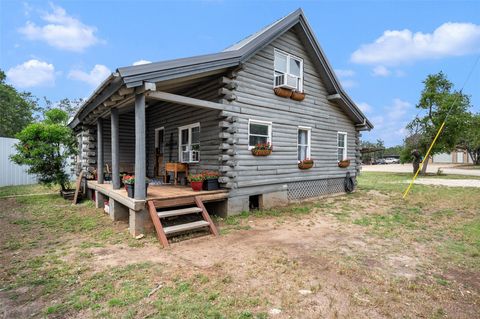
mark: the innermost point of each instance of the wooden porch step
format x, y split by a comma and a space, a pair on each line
185, 227
178, 212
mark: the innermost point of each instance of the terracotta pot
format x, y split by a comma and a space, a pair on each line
256, 152
282, 92
344, 163
196, 186
297, 96
307, 165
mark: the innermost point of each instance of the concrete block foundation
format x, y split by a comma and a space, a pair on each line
140, 222
275, 199
99, 200
117, 211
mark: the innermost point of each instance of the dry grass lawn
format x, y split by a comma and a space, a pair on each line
369, 254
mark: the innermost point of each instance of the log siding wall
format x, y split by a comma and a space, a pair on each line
257, 101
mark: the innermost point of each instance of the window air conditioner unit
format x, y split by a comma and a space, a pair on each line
287, 81
190, 156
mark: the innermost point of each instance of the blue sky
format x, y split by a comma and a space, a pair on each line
381, 50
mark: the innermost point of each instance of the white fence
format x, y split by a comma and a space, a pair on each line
11, 173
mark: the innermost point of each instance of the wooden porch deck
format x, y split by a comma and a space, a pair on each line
164, 195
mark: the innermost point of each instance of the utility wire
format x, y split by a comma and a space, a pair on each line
441, 127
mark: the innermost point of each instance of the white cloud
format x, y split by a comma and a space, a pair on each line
344, 73
398, 109
32, 73
345, 77
140, 62
348, 83
381, 71
389, 122
364, 107
62, 31
98, 74
400, 46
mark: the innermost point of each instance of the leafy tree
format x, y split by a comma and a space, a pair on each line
45, 148
16, 108
438, 99
393, 150
372, 151
470, 136
70, 106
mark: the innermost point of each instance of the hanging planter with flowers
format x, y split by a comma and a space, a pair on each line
344, 163
282, 92
306, 164
297, 96
262, 149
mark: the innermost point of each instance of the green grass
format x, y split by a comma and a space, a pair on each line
51, 244
26, 189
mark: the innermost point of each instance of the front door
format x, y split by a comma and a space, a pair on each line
159, 151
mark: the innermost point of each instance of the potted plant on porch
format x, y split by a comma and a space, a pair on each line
210, 181
196, 181
129, 182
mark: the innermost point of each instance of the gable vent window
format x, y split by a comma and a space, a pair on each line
288, 71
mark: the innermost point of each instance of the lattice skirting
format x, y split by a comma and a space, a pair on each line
315, 188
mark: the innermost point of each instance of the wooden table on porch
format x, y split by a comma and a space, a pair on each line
175, 168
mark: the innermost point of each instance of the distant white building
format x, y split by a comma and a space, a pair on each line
459, 156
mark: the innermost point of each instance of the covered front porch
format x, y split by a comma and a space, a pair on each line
122, 207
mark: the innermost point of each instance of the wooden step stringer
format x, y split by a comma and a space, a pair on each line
157, 223
161, 235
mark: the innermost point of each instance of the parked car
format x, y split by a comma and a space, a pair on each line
379, 161
392, 160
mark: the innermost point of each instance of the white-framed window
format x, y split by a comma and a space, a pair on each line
159, 140
304, 142
189, 143
288, 71
341, 146
259, 132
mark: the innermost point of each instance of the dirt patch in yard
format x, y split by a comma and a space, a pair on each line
366, 255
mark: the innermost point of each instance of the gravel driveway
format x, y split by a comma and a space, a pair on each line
432, 168
448, 182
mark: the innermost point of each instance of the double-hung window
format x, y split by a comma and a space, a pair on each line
189, 143
303, 143
288, 71
341, 146
259, 132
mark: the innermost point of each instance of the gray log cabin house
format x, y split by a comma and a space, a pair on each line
209, 111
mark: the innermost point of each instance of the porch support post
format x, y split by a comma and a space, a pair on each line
115, 150
140, 170
100, 163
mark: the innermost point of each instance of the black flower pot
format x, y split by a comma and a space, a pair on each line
210, 184
131, 189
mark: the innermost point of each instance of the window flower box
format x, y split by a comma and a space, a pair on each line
305, 164
344, 163
262, 149
282, 92
297, 96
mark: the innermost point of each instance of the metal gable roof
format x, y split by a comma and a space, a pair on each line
233, 56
